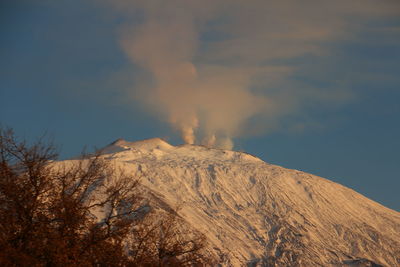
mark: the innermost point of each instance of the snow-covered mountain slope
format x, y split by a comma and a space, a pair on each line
255, 213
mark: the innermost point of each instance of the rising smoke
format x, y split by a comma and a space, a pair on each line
213, 65
209, 102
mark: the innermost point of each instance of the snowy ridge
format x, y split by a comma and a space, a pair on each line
254, 213
157, 149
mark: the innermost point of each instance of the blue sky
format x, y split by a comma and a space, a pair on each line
314, 87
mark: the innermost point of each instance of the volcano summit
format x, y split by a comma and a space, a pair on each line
259, 214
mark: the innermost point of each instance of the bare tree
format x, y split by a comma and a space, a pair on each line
164, 239
82, 214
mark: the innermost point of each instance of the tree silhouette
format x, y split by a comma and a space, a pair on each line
83, 213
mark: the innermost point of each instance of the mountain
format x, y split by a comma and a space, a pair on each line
258, 214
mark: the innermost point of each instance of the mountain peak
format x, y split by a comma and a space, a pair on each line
146, 145
157, 148
259, 214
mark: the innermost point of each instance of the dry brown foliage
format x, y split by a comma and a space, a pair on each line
47, 218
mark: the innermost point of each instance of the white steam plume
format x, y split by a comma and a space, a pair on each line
214, 99
213, 65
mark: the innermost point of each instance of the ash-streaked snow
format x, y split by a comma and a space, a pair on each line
255, 213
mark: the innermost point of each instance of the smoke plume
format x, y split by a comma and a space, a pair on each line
208, 101
214, 66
